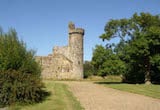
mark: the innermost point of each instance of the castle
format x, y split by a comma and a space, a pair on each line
65, 62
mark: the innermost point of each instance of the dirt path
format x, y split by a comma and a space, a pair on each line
97, 97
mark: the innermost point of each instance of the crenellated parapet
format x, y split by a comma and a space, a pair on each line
73, 30
76, 31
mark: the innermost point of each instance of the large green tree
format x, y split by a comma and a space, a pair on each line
106, 62
140, 35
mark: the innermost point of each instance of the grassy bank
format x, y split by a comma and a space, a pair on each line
60, 99
147, 90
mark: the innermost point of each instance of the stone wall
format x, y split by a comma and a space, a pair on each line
65, 62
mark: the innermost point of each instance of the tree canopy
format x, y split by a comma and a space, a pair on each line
106, 62
139, 46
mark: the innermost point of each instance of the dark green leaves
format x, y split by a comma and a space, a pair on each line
139, 46
19, 72
106, 62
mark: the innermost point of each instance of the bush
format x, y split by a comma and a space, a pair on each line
19, 73
18, 87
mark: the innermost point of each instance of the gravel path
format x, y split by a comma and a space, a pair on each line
97, 97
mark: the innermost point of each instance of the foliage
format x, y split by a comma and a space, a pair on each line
140, 45
19, 73
98, 58
106, 62
88, 69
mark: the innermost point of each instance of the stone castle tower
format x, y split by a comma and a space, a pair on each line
65, 62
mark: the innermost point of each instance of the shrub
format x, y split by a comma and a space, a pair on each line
19, 73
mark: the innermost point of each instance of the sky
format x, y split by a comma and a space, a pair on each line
43, 24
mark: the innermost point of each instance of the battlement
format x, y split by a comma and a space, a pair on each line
76, 31
73, 30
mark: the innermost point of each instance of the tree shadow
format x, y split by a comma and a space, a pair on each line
45, 95
108, 83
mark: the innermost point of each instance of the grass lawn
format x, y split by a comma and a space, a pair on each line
147, 90
60, 99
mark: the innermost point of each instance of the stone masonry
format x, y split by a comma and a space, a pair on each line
65, 62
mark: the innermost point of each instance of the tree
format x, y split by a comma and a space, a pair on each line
141, 34
99, 56
106, 62
88, 69
19, 72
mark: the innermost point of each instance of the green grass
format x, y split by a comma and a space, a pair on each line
60, 99
147, 90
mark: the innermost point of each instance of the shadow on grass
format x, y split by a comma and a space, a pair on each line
108, 83
45, 95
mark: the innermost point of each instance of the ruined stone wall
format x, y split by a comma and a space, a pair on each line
55, 67
65, 62
61, 50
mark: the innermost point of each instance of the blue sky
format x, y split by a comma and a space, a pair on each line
43, 24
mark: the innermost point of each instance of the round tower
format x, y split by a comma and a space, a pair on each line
76, 50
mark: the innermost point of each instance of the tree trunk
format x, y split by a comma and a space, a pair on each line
147, 74
147, 78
